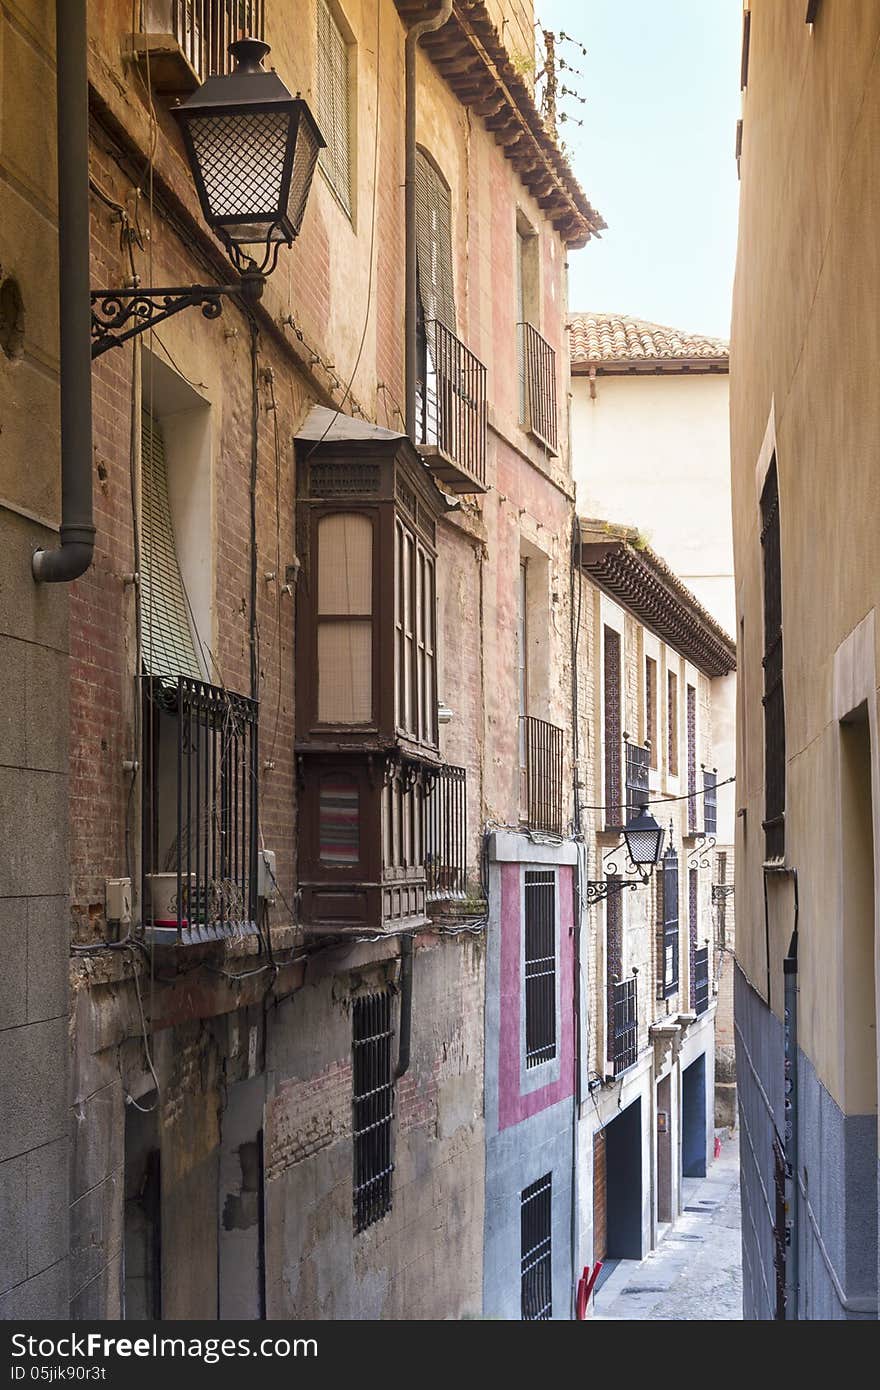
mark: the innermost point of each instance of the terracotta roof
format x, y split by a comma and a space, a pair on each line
470, 55
618, 340
618, 560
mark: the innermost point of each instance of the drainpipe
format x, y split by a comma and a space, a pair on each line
406, 974
74, 555
424, 26
790, 1105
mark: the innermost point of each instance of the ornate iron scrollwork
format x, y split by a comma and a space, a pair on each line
600, 889
699, 857
121, 314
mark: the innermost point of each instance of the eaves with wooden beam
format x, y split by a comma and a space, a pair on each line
469, 54
619, 562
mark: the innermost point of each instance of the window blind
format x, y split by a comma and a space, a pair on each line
333, 112
167, 639
434, 243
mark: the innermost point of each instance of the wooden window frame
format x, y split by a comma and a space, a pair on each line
336, 160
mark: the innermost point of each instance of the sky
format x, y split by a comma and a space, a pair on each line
654, 154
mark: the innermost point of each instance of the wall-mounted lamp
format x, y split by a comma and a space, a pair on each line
252, 150
643, 838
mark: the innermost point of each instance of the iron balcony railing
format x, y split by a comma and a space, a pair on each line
710, 803
701, 980
637, 771
537, 375
451, 410
205, 29
446, 834
624, 1025
200, 810
536, 1264
541, 754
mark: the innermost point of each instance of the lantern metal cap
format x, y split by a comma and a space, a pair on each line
249, 84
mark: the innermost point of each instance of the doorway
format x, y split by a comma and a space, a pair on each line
693, 1119
623, 1184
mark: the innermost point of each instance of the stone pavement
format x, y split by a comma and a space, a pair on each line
695, 1271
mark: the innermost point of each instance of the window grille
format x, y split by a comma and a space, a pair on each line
333, 104
613, 956
693, 928
540, 965
372, 1106
536, 1283
651, 709
542, 750
625, 1035
537, 366
205, 29
446, 834
774, 697
200, 795
692, 758
672, 723
166, 635
637, 792
668, 972
701, 980
613, 734
710, 803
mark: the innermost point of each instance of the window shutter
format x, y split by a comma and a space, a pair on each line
434, 244
168, 648
333, 115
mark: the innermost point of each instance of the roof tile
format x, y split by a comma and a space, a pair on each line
597, 338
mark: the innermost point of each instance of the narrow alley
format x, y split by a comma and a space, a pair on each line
695, 1272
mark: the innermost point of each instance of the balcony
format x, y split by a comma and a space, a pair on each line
446, 836
537, 378
451, 410
541, 761
199, 812
701, 980
184, 41
624, 1017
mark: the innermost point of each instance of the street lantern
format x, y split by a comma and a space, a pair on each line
252, 150
644, 839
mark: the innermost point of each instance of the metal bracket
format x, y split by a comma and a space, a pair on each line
720, 891
599, 889
118, 315
699, 855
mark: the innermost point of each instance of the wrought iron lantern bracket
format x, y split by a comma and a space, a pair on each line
600, 889
720, 891
700, 855
118, 315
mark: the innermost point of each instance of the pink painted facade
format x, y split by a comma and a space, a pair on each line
513, 1104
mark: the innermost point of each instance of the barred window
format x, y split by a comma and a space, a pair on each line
692, 758
710, 803
536, 1283
672, 723
540, 965
668, 971
372, 1106
774, 697
693, 927
613, 732
334, 119
651, 709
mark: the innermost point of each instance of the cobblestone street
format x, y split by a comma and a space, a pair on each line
695, 1272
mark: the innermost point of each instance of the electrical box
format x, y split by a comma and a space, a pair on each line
267, 884
118, 900
662, 1121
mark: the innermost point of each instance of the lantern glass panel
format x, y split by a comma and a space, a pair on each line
241, 159
304, 161
643, 845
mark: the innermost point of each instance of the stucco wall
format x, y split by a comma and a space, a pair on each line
33, 690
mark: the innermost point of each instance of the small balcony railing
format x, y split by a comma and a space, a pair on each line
537, 375
205, 29
624, 1025
451, 410
701, 980
446, 835
199, 811
638, 759
541, 758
